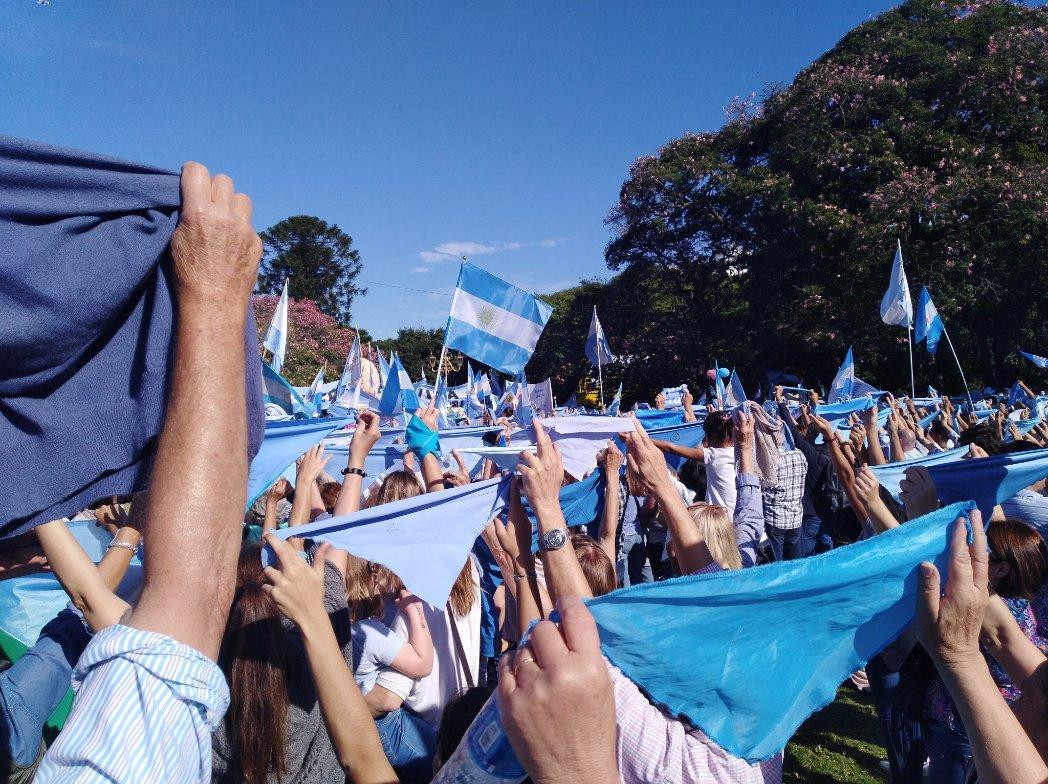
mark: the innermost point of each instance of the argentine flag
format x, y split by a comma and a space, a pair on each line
1041, 362
613, 408
929, 325
493, 321
398, 395
276, 335
597, 350
844, 381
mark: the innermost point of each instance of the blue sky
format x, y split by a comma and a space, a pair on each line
425, 130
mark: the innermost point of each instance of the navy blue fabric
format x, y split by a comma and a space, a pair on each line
86, 316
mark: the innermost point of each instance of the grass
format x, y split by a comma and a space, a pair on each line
838, 745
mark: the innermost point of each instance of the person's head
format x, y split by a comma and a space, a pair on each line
1018, 559
254, 657
596, 566
458, 714
693, 476
715, 524
719, 428
463, 592
982, 435
329, 495
395, 487
507, 412
368, 586
907, 439
939, 433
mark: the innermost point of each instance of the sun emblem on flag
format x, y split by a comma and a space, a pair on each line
487, 317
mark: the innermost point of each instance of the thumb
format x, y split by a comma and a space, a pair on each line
320, 557
458, 459
928, 598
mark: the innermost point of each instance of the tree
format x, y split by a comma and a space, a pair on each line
414, 346
318, 260
314, 338
768, 242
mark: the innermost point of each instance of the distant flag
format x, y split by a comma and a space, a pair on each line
276, 391
1018, 395
933, 392
613, 407
494, 385
929, 324
383, 368
276, 335
573, 402
493, 321
896, 306
316, 394
597, 350
841, 388
398, 395
1041, 362
861, 389
736, 395
352, 373
718, 383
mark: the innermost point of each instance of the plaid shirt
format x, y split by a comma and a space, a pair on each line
653, 746
783, 501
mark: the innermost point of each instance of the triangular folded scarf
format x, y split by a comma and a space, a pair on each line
748, 655
834, 411
424, 540
989, 480
686, 434
580, 438
283, 444
86, 335
890, 474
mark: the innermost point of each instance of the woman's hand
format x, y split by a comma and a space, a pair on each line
646, 459
311, 465
868, 486
364, 438
458, 478
296, 587
823, 426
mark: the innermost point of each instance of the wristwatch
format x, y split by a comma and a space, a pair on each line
553, 540
351, 470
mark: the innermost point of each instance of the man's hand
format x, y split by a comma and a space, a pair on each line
214, 249
365, 437
646, 459
542, 473
949, 624
917, 492
557, 702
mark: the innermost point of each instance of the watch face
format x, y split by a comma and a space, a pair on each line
555, 539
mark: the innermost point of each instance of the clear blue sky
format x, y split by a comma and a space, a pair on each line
425, 130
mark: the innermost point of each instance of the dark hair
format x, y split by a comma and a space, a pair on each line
692, 475
1020, 546
254, 658
937, 428
1012, 447
329, 495
596, 566
982, 435
719, 427
458, 715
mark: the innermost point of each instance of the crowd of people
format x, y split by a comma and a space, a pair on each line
325, 667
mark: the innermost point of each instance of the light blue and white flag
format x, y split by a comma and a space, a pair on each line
1018, 395
597, 350
383, 368
276, 335
277, 392
929, 325
841, 388
613, 407
896, 306
540, 397
1041, 362
351, 373
398, 395
735, 394
493, 321
933, 392
318, 383
860, 389
283, 444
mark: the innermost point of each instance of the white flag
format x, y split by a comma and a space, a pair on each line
276, 335
896, 306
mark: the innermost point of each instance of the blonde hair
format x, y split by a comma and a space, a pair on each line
395, 487
714, 523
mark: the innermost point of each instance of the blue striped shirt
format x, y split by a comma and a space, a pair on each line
144, 711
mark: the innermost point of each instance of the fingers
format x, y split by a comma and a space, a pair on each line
542, 439
243, 208
980, 558
507, 678
458, 459
928, 598
547, 644
284, 552
960, 557
578, 626
196, 187
222, 190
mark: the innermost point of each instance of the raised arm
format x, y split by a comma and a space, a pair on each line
611, 459
298, 590
689, 415
873, 442
308, 469
845, 470
364, 438
198, 487
278, 491
748, 514
687, 452
432, 471
1007, 643
877, 511
416, 658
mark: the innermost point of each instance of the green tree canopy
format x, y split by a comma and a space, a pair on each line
318, 260
314, 338
768, 243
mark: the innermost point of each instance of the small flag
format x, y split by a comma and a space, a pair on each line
613, 407
597, 350
841, 388
896, 306
383, 368
1041, 362
933, 392
719, 386
398, 395
352, 373
493, 321
276, 335
736, 395
929, 324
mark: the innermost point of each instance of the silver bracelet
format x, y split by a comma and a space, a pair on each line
131, 548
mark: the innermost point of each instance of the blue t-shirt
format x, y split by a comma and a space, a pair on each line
375, 646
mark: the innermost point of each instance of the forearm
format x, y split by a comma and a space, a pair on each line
419, 638
1005, 641
349, 723
879, 516
115, 561
269, 522
693, 553
873, 445
687, 452
609, 519
564, 576
1003, 752
432, 473
199, 482
748, 517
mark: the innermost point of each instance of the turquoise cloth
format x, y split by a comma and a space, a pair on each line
421, 439
748, 655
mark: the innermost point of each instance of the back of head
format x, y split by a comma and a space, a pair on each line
907, 439
395, 487
463, 592
596, 566
939, 431
329, 495
982, 435
715, 524
368, 585
1019, 546
1012, 447
719, 428
254, 658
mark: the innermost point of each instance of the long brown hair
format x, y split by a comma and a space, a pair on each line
368, 585
395, 487
596, 566
1022, 548
463, 592
254, 657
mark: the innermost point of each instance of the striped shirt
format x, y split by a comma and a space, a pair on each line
144, 711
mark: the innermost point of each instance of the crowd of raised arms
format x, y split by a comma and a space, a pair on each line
324, 667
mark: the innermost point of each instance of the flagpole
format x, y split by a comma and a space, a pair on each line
444, 346
959, 369
909, 344
600, 379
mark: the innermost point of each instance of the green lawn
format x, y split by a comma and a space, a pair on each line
839, 744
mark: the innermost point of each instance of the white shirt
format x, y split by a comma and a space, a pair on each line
720, 476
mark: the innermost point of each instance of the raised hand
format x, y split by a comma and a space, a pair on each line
429, 415
311, 465
542, 472
297, 587
823, 426
611, 458
867, 485
646, 459
365, 436
460, 477
917, 492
